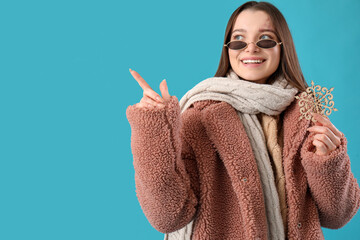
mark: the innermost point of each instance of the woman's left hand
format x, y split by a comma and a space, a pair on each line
327, 137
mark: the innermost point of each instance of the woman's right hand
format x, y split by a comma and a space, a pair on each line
151, 100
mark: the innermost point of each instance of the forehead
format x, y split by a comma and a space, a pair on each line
251, 20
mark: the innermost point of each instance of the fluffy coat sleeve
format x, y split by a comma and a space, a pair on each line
332, 184
164, 166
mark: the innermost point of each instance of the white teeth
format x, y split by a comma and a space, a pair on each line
252, 61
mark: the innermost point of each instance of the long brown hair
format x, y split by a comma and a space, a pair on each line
289, 64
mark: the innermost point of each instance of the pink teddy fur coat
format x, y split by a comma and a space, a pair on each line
199, 165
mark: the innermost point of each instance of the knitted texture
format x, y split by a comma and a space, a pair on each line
273, 141
245, 96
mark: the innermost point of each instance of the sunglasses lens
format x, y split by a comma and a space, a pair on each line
236, 45
266, 43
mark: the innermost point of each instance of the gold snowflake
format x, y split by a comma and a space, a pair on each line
316, 99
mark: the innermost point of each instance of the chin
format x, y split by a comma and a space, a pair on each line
253, 78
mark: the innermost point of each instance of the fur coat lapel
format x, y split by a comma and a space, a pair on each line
227, 133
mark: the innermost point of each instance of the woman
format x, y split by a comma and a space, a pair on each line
232, 159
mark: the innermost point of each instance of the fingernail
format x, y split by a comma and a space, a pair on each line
130, 69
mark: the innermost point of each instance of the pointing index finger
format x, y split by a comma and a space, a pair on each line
143, 84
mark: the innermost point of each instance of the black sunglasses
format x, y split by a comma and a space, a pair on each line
263, 43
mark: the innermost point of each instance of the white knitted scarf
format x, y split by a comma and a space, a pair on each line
249, 99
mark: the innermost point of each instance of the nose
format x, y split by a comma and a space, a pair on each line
251, 47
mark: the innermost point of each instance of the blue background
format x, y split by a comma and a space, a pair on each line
66, 165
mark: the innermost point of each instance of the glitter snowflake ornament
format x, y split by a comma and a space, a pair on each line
316, 99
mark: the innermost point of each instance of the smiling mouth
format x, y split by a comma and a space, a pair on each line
248, 61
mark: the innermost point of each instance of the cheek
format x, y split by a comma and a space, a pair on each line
276, 57
232, 56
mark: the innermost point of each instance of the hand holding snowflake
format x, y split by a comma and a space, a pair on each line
315, 103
